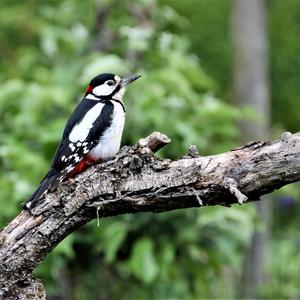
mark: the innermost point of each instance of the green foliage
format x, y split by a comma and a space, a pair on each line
285, 62
142, 262
206, 26
284, 282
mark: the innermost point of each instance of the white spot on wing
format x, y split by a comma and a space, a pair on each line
72, 147
81, 130
69, 168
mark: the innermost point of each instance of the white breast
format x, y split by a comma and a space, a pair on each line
110, 140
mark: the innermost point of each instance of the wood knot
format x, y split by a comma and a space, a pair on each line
161, 164
285, 136
2, 239
125, 150
136, 163
193, 151
126, 160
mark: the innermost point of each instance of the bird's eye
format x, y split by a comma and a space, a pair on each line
110, 82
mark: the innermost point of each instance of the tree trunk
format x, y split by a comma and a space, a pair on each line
251, 89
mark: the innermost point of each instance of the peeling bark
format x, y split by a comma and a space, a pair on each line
137, 180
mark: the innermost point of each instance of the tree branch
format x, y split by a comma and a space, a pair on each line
135, 181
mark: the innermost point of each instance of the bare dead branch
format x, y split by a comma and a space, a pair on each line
135, 181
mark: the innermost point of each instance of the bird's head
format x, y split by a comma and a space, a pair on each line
109, 85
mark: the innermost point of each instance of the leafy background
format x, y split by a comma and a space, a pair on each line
49, 52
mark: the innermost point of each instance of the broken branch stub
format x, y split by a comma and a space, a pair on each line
154, 141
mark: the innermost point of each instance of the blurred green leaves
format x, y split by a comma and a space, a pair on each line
142, 262
50, 50
110, 246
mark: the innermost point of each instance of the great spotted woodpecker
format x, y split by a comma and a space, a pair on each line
92, 134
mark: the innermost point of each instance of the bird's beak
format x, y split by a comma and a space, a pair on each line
125, 81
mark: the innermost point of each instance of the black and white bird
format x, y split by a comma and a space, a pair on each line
92, 134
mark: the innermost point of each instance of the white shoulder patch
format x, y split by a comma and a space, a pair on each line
81, 130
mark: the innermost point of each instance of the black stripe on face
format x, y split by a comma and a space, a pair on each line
121, 103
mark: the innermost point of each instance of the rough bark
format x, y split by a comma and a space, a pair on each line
137, 180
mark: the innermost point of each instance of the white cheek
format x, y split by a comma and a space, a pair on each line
103, 90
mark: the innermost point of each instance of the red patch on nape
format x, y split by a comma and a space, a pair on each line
89, 89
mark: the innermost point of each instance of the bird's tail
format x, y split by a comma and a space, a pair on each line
49, 182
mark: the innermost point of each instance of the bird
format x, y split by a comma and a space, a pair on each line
92, 134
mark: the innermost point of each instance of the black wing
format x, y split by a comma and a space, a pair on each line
69, 154
78, 114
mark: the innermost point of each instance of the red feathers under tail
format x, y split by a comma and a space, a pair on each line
86, 162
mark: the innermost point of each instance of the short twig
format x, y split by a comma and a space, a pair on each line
231, 185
